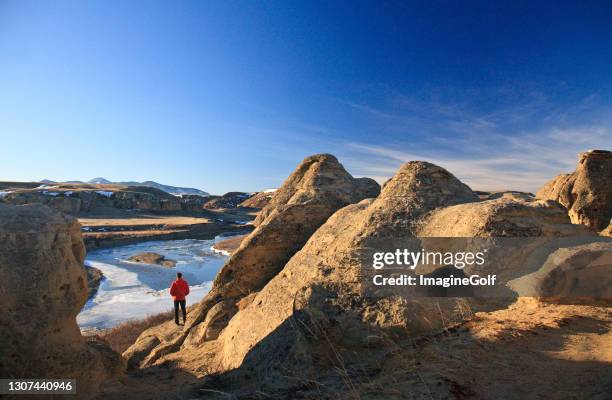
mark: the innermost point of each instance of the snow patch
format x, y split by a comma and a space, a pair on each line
218, 251
104, 193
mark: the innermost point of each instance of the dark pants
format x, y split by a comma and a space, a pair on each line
176, 310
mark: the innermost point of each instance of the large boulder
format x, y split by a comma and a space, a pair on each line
516, 231
319, 179
506, 216
44, 286
315, 190
587, 192
572, 274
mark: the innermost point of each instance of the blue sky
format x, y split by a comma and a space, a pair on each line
225, 95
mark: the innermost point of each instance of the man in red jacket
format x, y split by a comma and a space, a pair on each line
178, 291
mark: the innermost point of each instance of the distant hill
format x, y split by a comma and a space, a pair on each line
175, 190
99, 181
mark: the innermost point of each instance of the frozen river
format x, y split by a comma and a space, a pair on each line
133, 291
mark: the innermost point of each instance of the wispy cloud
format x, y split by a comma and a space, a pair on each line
519, 143
517, 147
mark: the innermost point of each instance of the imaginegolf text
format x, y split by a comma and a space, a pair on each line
421, 280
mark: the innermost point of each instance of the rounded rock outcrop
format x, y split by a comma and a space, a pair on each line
516, 231
586, 192
507, 216
578, 274
44, 286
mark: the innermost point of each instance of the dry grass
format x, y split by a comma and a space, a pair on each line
124, 335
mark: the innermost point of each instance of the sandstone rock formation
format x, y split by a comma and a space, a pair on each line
192, 203
314, 191
507, 216
152, 258
574, 274
228, 200
258, 200
316, 321
320, 296
320, 179
587, 192
67, 204
44, 286
74, 199
517, 231
322, 284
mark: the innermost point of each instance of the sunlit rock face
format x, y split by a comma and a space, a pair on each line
44, 286
586, 192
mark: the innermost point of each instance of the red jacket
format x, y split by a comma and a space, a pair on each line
179, 289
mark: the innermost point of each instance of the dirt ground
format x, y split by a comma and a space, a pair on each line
530, 350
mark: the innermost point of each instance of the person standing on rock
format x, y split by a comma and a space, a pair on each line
178, 291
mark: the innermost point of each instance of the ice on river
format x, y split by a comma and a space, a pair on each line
133, 291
